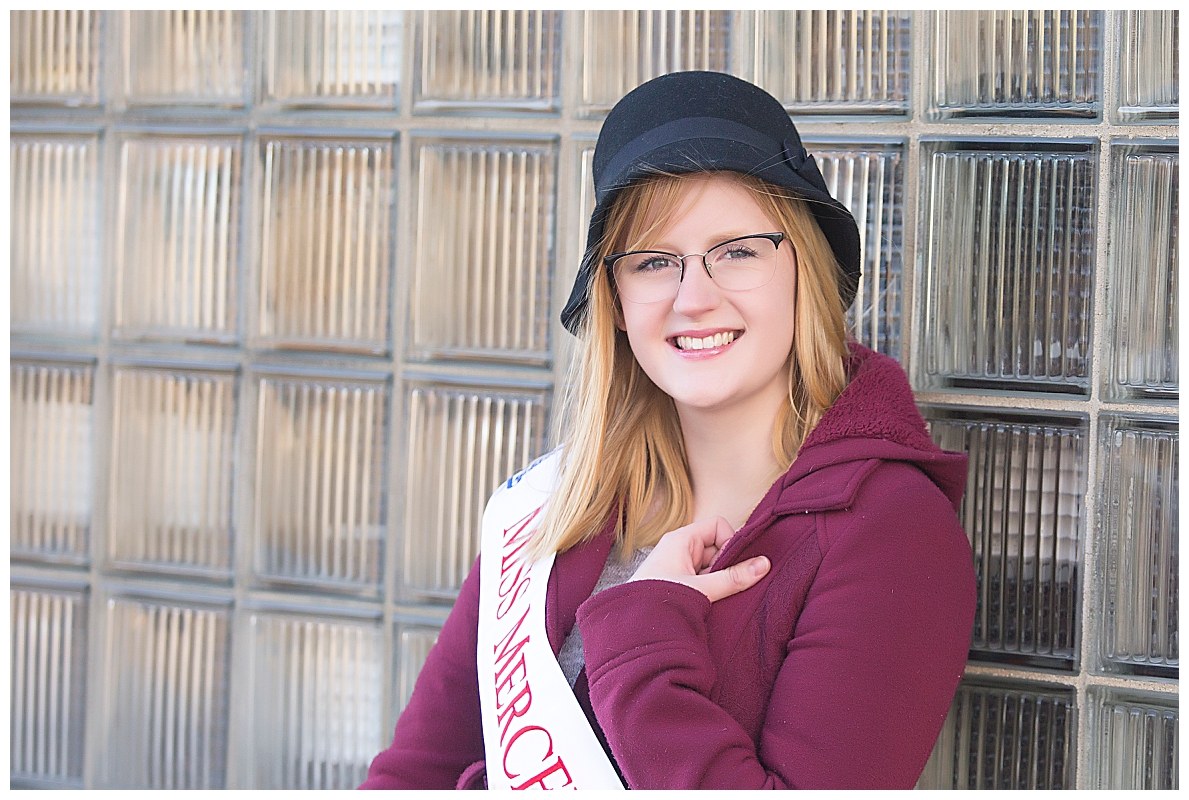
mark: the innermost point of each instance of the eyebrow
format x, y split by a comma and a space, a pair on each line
717, 240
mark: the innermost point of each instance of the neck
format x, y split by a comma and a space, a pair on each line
731, 460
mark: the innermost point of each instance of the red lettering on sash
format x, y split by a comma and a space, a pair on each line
517, 536
514, 709
507, 602
540, 777
516, 736
512, 677
504, 649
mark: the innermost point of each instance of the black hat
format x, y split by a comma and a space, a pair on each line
706, 121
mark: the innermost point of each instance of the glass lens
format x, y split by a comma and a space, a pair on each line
743, 263
646, 277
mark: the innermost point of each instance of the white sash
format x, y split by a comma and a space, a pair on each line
535, 734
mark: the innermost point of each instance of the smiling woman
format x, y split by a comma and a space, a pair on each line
743, 567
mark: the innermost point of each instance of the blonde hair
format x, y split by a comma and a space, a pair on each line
624, 449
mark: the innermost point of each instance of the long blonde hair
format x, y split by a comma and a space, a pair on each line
623, 445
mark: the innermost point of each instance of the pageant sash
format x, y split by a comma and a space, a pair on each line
535, 734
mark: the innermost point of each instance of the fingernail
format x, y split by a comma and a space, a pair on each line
759, 566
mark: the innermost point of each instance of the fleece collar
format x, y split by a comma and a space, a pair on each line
874, 419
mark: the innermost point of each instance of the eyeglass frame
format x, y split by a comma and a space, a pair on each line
776, 238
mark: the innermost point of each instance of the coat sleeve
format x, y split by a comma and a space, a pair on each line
865, 684
439, 735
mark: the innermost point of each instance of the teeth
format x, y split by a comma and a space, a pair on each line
717, 340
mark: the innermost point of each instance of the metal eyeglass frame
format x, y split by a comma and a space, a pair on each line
609, 261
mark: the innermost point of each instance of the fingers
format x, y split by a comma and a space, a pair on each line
701, 539
734, 579
723, 532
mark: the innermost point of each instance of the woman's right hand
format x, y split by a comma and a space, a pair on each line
685, 555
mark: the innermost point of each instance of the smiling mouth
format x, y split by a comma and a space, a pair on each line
705, 343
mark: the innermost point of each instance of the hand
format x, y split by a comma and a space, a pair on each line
685, 555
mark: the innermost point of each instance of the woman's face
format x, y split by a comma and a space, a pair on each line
752, 367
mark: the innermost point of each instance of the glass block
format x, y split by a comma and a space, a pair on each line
484, 249
488, 60
869, 180
332, 58
1142, 360
321, 452
54, 57
1136, 739
47, 684
413, 639
326, 257
1016, 63
463, 441
171, 464
1149, 66
317, 691
1138, 544
1005, 735
178, 240
1008, 257
1022, 512
166, 695
835, 62
623, 49
185, 57
54, 250
52, 436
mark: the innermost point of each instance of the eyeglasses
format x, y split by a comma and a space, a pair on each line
649, 276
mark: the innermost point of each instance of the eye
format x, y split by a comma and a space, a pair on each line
649, 262
737, 251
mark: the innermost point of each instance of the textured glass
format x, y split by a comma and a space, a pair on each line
869, 180
47, 685
166, 696
1142, 361
51, 440
1022, 512
325, 257
320, 481
506, 59
171, 467
484, 249
185, 57
1008, 265
317, 699
1015, 63
1138, 544
332, 58
462, 443
177, 248
54, 249
623, 49
1136, 740
835, 62
53, 57
413, 641
1149, 65
1005, 736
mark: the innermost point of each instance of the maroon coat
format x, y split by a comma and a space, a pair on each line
835, 671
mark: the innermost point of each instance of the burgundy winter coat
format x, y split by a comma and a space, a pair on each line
835, 671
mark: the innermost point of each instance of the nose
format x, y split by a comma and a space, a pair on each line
697, 292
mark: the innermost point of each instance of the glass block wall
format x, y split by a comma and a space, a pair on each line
284, 298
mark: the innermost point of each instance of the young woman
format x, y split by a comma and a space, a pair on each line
742, 568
